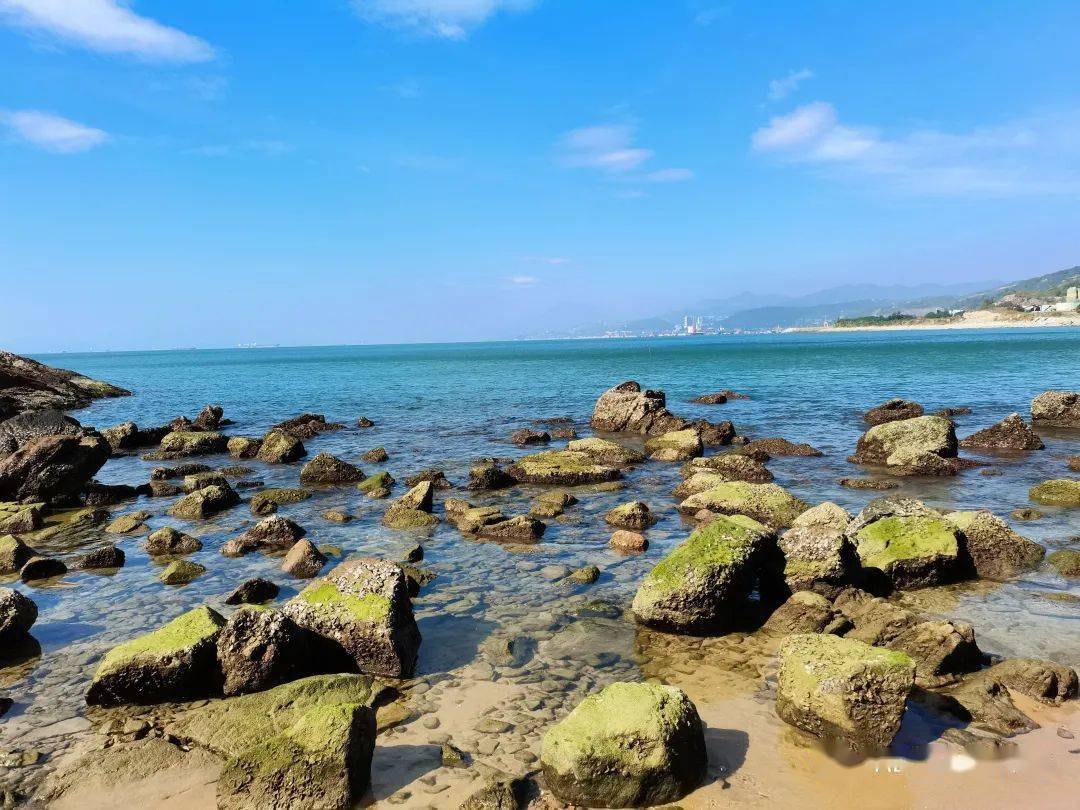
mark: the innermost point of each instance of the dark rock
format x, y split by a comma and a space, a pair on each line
179, 471
24, 428
988, 705
40, 567
306, 426
719, 398
996, 551
364, 422
280, 447
243, 446
14, 554
204, 503
377, 485
527, 436
893, 410
186, 443
105, 557
98, 494
1056, 409
275, 533
729, 467
52, 469
27, 385
326, 469
1011, 433
775, 447
169, 541
258, 649
803, 612
868, 483
253, 592
714, 434
377, 455
267, 501
488, 476
1042, 680
17, 615
209, 418
436, 476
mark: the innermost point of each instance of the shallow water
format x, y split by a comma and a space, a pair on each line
445, 406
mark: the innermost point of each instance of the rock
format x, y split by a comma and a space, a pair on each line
713, 434
826, 515
554, 572
208, 418
273, 533
201, 480
130, 523
892, 411
14, 554
279, 447
253, 592
1026, 513
729, 467
105, 557
1011, 433
817, 554
776, 447
1056, 409
28, 385
120, 437
561, 468
243, 447
433, 475
517, 529
337, 516
184, 443
169, 541
910, 551
629, 745
363, 612
996, 551
303, 561
678, 445
19, 518
376, 455
41, 567
488, 475
364, 422
603, 451
842, 688
17, 615
703, 584
305, 744
628, 542
627, 408
987, 704
868, 483
267, 501
326, 469
586, 575
377, 486
307, 426
1074, 463
1066, 562
173, 663
718, 398
26, 427
770, 504
181, 572
413, 509
204, 503
52, 469
551, 504
259, 649
889, 506
179, 471
803, 612
527, 436
1041, 680
1059, 492
925, 445
633, 515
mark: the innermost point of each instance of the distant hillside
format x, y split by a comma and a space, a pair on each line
1051, 284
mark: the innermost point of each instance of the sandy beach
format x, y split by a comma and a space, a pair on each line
979, 319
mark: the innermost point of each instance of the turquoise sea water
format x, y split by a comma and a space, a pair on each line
447, 405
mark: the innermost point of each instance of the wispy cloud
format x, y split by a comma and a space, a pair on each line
108, 26
612, 150
261, 146
780, 89
523, 281
1034, 156
52, 132
449, 19
667, 176
406, 88
553, 261
430, 163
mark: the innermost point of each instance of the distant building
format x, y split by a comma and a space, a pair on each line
1072, 294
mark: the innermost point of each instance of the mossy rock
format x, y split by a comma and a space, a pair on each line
14, 554
1066, 562
184, 443
19, 518
730, 467
634, 515
377, 485
608, 452
1058, 492
629, 745
402, 517
703, 583
996, 551
243, 446
676, 445
181, 572
173, 663
925, 445
563, 468
770, 504
844, 689
205, 502
267, 501
279, 447
911, 551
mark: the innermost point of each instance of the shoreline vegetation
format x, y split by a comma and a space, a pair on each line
975, 319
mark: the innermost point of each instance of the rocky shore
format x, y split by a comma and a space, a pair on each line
304, 690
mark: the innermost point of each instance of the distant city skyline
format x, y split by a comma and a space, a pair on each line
388, 171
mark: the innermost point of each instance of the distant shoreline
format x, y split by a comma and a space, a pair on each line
979, 319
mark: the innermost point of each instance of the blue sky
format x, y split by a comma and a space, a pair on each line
343, 171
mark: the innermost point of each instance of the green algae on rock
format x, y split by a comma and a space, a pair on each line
770, 504
924, 445
996, 551
1057, 492
842, 688
181, 572
629, 745
911, 551
676, 445
605, 451
279, 447
703, 583
175, 662
267, 501
377, 485
326, 469
205, 502
633, 515
185, 443
1066, 562
729, 466
561, 467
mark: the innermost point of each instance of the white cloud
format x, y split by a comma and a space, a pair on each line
611, 149
524, 281
52, 132
450, 19
1038, 155
782, 88
668, 176
268, 147
553, 261
108, 26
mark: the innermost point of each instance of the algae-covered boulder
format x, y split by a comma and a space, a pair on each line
925, 445
205, 502
201, 480
910, 551
377, 485
14, 554
730, 467
184, 443
17, 615
1056, 409
489, 523
703, 583
167, 540
633, 515
629, 745
770, 504
279, 447
413, 509
267, 501
326, 469
676, 445
626, 407
362, 612
892, 411
1011, 433
608, 452
562, 468
181, 572
175, 662
52, 469
17, 518
1065, 561
243, 446
488, 475
552, 504
996, 551
306, 744
259, 649
817, 554
776, 446
842, 688
1058, 492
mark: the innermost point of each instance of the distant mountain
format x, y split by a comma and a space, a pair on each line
1051, 284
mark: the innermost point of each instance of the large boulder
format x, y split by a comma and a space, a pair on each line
910, 551
629, 745
488, 475
52, 469
562, 468
817, 554
258, 649
925, 445
17, 615
173, 663
1044, 681
27, 385
675, 445
24, 428
770, 504
362, 612
730, 467
14, 554
1011, 433
626, 407
303, 560
279, 447
274, 533
205, 502
704, 582
996, 551
604, 451
185, 443
413, 509
243, 446
305, 744
892, 411
841, 688
169, 541
1056, 409
327, 469
19, 518
775, 446
1057, 492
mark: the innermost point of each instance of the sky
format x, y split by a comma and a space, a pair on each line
385, 171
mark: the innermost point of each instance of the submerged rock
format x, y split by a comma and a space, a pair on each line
376, 455
527, 436
1056, 409
267, 501
1058, 492
629, 745
18, 613
101, 558
181, 572
275, 532
279, 447
1011, 433
770, 504
730, 467
842, 688
633, 515
176, 662
562, 468
626, 407
628, 542
551, 504
377, 485
433, 475
327, 469
996, 551
19, 518
925, 445
893, 410
910, 551
677, 445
